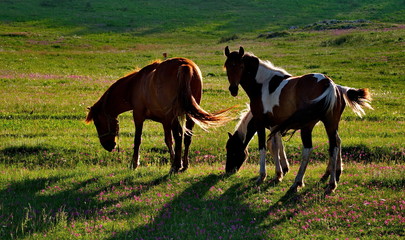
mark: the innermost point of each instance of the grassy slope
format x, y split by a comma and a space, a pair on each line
58, 58
210, 18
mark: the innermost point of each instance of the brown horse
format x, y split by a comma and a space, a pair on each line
168, 92
281, 102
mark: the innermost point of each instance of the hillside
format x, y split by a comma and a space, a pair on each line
203, 18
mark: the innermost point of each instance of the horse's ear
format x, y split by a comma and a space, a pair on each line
227, 51
241, 51
229, 134
89, 116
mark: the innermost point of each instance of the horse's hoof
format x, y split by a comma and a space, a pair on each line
295, 187
324, 178
261, 179
133, 166
276, 180
330, 189
183, 169
174, 171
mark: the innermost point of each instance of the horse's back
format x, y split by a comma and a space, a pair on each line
298, 95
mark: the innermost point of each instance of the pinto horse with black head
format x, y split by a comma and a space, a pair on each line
168, 92
282, 102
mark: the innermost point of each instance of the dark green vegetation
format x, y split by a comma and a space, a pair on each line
58, 57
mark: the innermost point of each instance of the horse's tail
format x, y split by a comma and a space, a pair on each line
190, 106
356, 99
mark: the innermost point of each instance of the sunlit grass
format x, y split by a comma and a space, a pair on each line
98, 202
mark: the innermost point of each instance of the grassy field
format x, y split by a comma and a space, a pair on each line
56, 181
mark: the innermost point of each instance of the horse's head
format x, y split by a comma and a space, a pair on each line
234, 68
236, 153
107, 127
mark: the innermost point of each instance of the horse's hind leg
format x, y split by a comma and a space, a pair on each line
335, 162
178, 144
339, 167
187, 142
306, 137
274, 144
283, 157
169, 143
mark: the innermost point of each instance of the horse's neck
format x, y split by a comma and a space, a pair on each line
266, 74
116, 99
246, 128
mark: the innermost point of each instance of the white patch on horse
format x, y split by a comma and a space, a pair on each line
265, 73
329, 95
319, 76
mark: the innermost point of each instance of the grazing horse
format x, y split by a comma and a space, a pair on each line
281, 102
237, 151
168, 92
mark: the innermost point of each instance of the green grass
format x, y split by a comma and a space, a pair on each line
57, 182
116, 203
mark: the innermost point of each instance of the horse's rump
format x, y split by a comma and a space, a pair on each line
314, 98
188, 75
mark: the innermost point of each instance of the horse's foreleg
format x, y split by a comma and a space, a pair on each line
137, 143
187, 143
262, 148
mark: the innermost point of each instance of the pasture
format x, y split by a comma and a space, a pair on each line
57, 182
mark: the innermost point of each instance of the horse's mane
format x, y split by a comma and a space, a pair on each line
146, 68
269, 65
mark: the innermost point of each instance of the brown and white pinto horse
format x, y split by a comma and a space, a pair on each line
168, 92
280, 102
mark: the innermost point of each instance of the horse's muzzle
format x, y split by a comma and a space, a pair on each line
234, 90
109, 146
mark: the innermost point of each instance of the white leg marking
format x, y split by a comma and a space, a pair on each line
299, 180
272, 144
333, 166
284, 161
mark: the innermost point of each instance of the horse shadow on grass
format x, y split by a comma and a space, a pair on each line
201, 212
34, 206
197, 213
